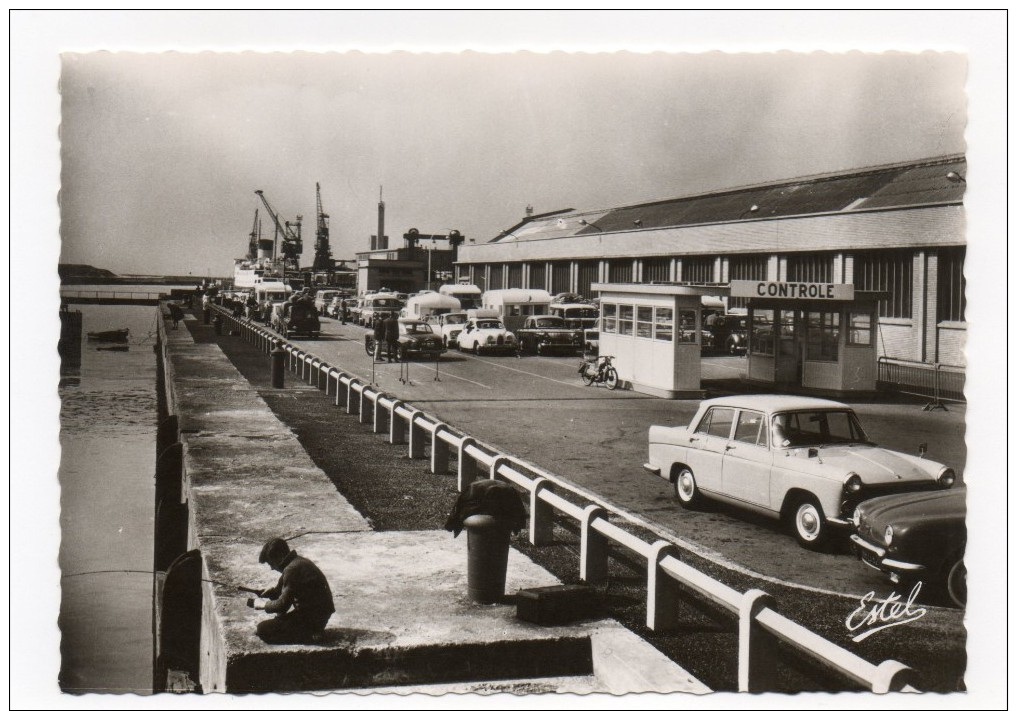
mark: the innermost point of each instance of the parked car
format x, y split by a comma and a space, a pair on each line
486, 334
296, 318
548, 334
416, 338
450, 325
322, 300
728, 333
802, 460
918, 536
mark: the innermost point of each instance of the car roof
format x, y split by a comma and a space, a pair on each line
775, 403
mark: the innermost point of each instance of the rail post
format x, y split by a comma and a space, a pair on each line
757, 650
497, 462
362, 410
891, 675
278, 366
352, 402
593, 547
416, 448
379, 416
541, 514
439, 450
341, 389
662, 591
396, 425
467, 465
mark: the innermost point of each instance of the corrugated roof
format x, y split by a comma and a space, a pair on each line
931, 182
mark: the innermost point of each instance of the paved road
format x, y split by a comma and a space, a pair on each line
538, 409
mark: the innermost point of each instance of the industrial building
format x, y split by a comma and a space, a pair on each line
896, 230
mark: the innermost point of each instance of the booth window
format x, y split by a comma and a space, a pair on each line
610, 318
664, 323
823, 332
625, 319
644, 322
762, 331
860, 329
687, 326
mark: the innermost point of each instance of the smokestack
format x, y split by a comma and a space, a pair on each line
265, 249
382, 239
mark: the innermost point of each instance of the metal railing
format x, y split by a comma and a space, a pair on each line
93, 295
914, 377
760, 627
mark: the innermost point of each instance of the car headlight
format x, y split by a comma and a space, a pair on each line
947, 478
509, 337
853, 484
888, 535
856, 519
490, 339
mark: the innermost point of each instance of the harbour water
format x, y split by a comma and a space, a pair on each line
107, 465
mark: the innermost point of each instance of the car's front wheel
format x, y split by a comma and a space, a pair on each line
957, 582
686, 490
809, 525
476, 348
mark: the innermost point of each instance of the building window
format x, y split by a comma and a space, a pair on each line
823, 332
860, 329
750, 268
687, 331
515, 276
762, 331
610, 318
538, 275
888, 271
496, 277
560, 277
625, 325
656, 269
697, 270
587, 275
663, 317
619, 271
950, 285
816, 268
644, 322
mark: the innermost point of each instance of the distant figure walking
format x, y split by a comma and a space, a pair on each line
302, 599
176, 313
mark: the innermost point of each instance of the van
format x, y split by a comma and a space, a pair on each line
378, 306
267, 294
514, 305
468, 294
428, 305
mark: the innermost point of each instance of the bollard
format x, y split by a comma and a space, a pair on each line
206, 314
217, 324
488, 543
278, 366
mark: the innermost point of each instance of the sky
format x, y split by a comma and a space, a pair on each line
159, 162
162, 152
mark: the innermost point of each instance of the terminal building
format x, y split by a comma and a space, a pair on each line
895, 234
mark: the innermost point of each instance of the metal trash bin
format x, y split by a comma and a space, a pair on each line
487, 541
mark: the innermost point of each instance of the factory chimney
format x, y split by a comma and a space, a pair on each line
382, 239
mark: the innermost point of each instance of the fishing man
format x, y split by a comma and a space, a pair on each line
301, 600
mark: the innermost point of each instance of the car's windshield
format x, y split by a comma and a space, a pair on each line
455, 318
816, 428
416, 328
489, 324
385, 303
548, 322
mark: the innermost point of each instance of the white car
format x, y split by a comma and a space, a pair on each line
450, 325
799, 459
486, 335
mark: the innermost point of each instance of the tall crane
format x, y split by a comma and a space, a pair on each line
292, 244
322, 252
252, 245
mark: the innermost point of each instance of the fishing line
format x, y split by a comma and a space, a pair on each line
146, 572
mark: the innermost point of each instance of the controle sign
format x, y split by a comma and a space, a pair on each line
792, 290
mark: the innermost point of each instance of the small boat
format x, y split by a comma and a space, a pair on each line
117, 336
113, 348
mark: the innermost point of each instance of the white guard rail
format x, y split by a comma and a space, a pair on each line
667, 577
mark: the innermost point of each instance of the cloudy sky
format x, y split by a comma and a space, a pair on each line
161, 153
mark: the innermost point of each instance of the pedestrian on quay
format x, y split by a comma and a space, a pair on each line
176, 313
379, 337
301, 600
392, 336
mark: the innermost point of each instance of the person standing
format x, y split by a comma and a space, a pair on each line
392, 336
301, 600
379, 337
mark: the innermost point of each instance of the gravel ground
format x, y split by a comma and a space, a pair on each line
397, 493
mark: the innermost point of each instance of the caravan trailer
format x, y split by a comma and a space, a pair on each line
514, 305
428, 305
468, 294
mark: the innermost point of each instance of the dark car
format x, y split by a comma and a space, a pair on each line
728, 333
416, 338
918, 536
296, 318
547, 334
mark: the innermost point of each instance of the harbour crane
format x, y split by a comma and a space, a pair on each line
252, 245
322, 253
292, 244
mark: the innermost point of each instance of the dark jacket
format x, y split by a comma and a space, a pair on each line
379, 329
302, 586
491, 497
391, 329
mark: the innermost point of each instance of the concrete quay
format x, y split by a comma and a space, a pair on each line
404, 623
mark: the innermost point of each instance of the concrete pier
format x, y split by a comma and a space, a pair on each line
232, 476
